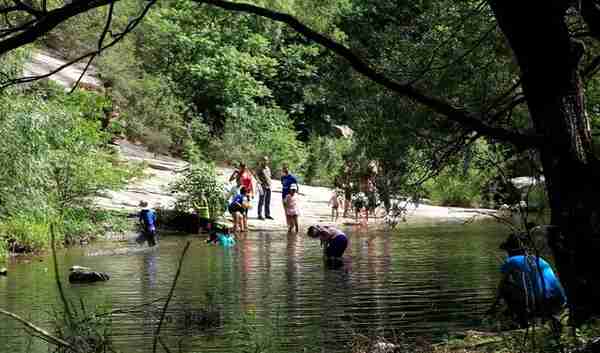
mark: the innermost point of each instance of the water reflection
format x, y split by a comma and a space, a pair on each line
422, 280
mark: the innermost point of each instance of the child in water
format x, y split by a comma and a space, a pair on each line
292, 209
221, 235
334, 202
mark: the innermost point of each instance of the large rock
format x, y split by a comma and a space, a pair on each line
44, 62
86, 275
3, 271
342, 131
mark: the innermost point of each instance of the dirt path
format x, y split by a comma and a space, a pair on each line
162, 170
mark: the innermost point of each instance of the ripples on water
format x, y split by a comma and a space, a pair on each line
421, 280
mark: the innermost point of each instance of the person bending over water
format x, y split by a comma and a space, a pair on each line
333, 241
529, 286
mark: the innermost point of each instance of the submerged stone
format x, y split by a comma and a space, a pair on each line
3, 271
85, 275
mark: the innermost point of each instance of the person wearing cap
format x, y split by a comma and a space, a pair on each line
263, 175
147, 220
292, 210
529, 286
333, 240
287, 180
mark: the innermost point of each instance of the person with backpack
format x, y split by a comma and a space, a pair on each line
529, 286
147, 221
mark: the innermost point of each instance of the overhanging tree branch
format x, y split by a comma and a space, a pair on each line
116, 38
109, 18
466, 119
48, 21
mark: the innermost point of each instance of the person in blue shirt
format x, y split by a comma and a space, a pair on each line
529, 286
147, 220
287, 180
238, 208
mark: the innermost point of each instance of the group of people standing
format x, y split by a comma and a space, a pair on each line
241, 201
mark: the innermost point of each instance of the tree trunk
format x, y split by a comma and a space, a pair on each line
548, 59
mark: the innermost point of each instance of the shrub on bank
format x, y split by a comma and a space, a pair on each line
200, 180
256, 131
54, 158
456, 187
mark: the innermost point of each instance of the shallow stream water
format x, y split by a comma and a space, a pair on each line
423, 280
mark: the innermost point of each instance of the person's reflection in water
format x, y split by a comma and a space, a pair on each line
148, 263
149, 270
337, 299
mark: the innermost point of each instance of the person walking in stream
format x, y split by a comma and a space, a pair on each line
287, 180
292, 209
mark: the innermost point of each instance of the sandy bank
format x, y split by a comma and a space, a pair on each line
162, 170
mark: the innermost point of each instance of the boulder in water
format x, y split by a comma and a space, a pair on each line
81, 274
3, 271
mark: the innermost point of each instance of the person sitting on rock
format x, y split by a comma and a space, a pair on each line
147, 220
333, 241
529, 286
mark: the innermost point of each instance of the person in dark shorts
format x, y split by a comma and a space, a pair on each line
333, 240
147, 220
238, 208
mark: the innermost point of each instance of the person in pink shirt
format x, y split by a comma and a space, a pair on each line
292, 209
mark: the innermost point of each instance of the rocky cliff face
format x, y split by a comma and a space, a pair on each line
44, 62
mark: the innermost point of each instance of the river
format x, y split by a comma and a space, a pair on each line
423, 280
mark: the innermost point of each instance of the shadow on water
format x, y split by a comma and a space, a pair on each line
422, 280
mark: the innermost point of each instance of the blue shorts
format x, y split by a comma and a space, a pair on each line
336, 246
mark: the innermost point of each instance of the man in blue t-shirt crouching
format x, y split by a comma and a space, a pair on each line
529, 286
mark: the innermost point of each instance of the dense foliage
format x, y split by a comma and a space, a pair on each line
54, 159
200, 182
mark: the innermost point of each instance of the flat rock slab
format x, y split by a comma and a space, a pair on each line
84, 276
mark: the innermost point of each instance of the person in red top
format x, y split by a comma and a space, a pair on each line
243, 177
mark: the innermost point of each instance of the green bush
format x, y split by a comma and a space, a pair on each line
453, 188
537, 198
200, 180
157, 141
251, 133
53, 161
325, 159
25, 231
